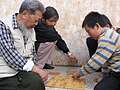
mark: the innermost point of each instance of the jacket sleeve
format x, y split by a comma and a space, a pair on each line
61, 44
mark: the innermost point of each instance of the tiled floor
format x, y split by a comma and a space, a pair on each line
90, 80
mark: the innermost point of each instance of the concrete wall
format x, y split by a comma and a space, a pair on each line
71, 14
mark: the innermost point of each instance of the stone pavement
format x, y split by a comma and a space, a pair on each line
90, 80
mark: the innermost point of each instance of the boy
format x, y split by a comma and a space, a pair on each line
107, 52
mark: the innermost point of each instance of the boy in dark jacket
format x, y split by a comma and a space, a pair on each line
47, 38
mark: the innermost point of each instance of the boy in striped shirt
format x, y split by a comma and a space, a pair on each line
108, 52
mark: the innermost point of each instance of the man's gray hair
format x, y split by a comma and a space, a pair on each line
31, 6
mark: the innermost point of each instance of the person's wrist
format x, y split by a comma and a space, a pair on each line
69, 53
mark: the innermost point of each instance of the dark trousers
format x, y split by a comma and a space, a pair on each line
92, 45
112, 82
22, 81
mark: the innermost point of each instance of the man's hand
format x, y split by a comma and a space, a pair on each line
72, 58
42, 73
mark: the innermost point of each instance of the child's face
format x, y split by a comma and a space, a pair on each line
51, 22
93, 32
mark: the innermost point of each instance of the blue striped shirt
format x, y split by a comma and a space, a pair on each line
108, 51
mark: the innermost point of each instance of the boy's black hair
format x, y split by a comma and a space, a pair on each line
107, 21
94, 17
50, 12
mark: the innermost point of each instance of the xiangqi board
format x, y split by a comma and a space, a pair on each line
66, 82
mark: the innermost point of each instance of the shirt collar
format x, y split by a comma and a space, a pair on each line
14, 21
105, 31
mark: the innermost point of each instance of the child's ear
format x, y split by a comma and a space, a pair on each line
97, 26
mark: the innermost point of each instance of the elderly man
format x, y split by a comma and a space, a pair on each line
17, 55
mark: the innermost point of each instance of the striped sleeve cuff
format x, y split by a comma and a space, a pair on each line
84, 71
81, 73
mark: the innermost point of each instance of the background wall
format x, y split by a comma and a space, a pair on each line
71, 14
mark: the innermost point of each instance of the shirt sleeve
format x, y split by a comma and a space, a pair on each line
62, 45
8, 51
30, 63
104, 51
34, 55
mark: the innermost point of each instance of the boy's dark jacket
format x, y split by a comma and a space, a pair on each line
44, 34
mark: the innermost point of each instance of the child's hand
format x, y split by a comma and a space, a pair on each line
72, 58
76, 75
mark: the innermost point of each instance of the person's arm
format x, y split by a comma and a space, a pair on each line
9, 53
63, 46
105, 49
105, 70
13, 58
